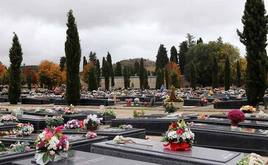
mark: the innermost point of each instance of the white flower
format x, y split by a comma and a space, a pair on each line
53, 143
52, 152
172, 135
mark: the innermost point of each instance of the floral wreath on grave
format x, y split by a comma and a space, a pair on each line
24, 129
248, 109
178, 137
92, 122
74, 124
8, 118
51, 146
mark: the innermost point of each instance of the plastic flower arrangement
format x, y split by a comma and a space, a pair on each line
170, 108
51, 146
251, 159
178, 137
20, 147
73, 124
8, 118
92, 122
109, 112
24, 129
91, 135
248, 109
54, 121
70, 110
136, 101
236, 116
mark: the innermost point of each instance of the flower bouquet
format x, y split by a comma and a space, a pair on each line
178, 137
91, 135
8, 118
92, 122
73, 124
70, 110
54, 121
236, 116
252, 159
24, 129
51, 146
248, 109
20, 147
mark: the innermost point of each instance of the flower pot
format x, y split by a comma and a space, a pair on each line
178, 146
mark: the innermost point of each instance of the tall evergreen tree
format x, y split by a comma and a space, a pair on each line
190, 40
238, 74
159, 78
215, 73
62, 63
118, 69
227, 74
182, 55
84, 61
92, 57
254, 37
110, 66
29, 80
173, 55
73, 57
199, 41
136, 68
98, 72
92, 79
193, 76
161, 58
145, 81
105, 73
15, 56
126, 76
142, 73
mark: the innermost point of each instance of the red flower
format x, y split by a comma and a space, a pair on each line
173, 125
59, 129
179, 131
81, 124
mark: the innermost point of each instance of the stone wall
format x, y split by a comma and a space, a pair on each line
134, 82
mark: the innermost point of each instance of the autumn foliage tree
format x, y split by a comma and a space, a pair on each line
173, 74
49, 74
3, 74
30, 76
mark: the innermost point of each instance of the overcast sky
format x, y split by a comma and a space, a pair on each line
125, 28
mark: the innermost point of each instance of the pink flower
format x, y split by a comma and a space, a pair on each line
59, 129
179, 131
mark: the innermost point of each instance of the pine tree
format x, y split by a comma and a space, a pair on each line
238, 74
62, 63
173, 55
73, 57
110, 67
126, 78
105, 73
182, 55
15, 56
159, 78
193, 76
92, 79
215, 76
98, 72
254, 37
84, 61
227, 74
118, 69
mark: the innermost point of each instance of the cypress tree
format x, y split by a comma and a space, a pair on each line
98, 72
227, 74
254, 37
110, 67
193, 76
215, 76
73, 57
84, 61
15, 56
105, 73
182, 55
62, 63
174, 55
92, 79
141, 74
126, 77
145, 81
29, 81
136, 68
92, 57
118, 69
238, 74
159, 78
161, 62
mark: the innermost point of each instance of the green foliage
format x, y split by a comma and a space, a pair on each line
174, 55
110, 68
238, 74
254, 37
143, 76
2, 147
215, 74
109, 112
126, 76
92, 57
105, 73
84, 61
174, 80
54, 121
62, 63
170, 108
118, 69
73, 56
193, 76
137, 113
161, 58
227, 74
159, 78
199, 41
182, 55
92, 79
190, 40
15, 56
29, 81
136, 68
98, 72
